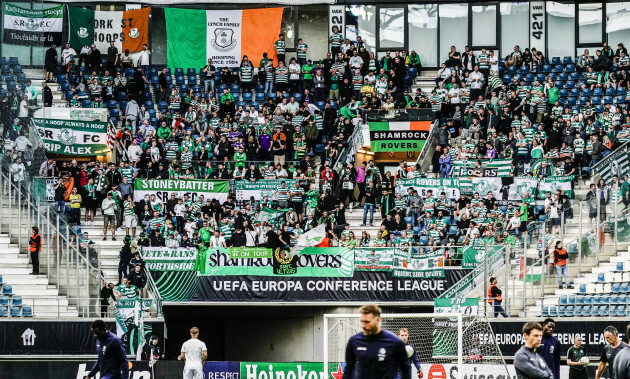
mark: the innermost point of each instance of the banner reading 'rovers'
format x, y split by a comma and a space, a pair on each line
195, 35
398, 135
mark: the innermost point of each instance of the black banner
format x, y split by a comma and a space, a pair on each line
54, 337
509, 335
362, 286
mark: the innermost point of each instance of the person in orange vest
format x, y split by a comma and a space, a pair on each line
35, 245
560, 259
494, 298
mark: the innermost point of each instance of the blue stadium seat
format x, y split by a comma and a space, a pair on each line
235, 88
192, 80
319, 147
559, 84
320, 104
129, 72
579, 299
582, 288
563, 93
571, 299
597, 299
562, 310
545, 311
85, 103
183, 88
529, 78
260, 88
623, 299
569, 311
619, 266
151, 112
4, 300
610, 91
569, 68
511, 70
179, 72
625, 287
247, 96
507, 78
575, 92
4, 311
561, 101
587, 92
523, 70
599, 108
583, 99
179, 80
153, 121
162, 105
607, 100
614, 299
586, 311
563, 299
621, 91
155, 79
615, 66
123, 104
196, 88
60, 78
297, 96
16, 300
27, 312
334, 104
65, 86
453, 230
620, 99
153, 71
567, 60
260, 96
571, 101
540, 78
574, 76
555, 60
603, 311
112, 104
220, 88
191, 72
563, 77
122, 96
616, 288
569, 84
553, 312
598, 92
3, 60
16, 311
13, 61
412, 72
558, 68
605, 299
114, 113
595, 100
579, 310
416, 230
149, 104
69, 95
241, 104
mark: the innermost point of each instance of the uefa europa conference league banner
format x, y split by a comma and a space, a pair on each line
35, 27
315, 274
73, 137
163, 188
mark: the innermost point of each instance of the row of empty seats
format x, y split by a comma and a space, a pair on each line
586, 311
11, 304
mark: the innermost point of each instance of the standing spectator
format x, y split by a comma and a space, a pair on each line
370, 201
495, 299
279, 48
35, 246
60, 195
137, 277
108, 206
124, 257
50, 62
107, 292
335, 42
143, 59
96, 64
112, 58
560, 257
126, 60
75, 206
48, 95
209, 70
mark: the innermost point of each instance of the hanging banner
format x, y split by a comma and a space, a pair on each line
260, 188
221, 35
163, 188
72, 137
398, 135
165, 259
428, 264
450, 186
616, 163
554, 183
32, 27
537, 27
79, 114
250, 252
466, 306
623, 228
375, 259
309, 262
129, 30
130, 323
337, 18
505, 193
488, 168
474, 256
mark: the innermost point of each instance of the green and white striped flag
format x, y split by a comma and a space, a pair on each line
614, 164
553, 183
491, 167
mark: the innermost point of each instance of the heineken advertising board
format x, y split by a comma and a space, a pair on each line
450, 186
260, 188
163, 188
73, 137
398, 135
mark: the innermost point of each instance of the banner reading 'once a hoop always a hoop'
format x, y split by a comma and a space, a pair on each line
195, 35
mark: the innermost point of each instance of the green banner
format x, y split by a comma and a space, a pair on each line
429, 264
194, 188
81, 23
466, 306
250, 252
267, 214
450, 186
72, 137
488, 168
374, 259
34, 27
165, 259
295, 370
616, 163
474, 256
309, 262
260, 188
623, 229
553, 183
398, 135
130, 321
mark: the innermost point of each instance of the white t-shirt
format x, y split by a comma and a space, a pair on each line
193, 348
144, 58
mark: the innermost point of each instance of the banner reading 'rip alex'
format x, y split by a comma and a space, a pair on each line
398, 135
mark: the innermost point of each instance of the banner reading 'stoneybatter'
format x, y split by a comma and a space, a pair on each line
398, 135
163, 188
72, 137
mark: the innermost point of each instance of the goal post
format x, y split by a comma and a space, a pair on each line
447, 345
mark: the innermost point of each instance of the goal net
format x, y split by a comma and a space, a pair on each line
447, 345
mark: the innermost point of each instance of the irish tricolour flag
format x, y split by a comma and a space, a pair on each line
194, 35
398, 135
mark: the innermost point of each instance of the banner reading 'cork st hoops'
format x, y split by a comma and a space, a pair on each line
398, 135
225, 36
